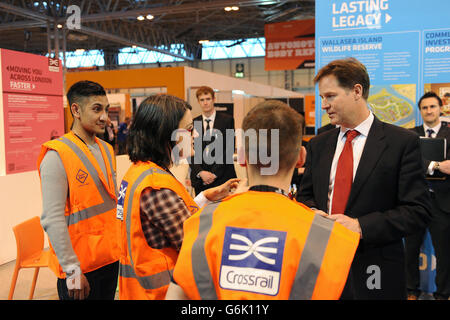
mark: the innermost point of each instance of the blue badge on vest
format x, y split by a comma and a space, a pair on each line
251, 260
121, 199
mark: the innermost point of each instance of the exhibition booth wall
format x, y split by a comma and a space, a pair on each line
182, 82
22, 197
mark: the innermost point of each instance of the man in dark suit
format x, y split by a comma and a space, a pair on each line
430, 106
368, 176
212, 164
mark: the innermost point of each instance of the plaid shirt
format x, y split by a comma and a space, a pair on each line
163, 213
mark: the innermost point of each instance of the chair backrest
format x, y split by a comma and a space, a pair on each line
29, 238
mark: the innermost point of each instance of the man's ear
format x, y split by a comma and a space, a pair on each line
358, 91
75, 108
301, 158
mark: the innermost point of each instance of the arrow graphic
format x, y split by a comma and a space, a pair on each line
387, 18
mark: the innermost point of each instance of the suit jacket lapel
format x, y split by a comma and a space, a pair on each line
216, 121
442, 132
324, 168
373, 150
421, 131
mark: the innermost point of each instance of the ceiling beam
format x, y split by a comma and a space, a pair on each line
127, 42
173, 9
110, 35
27, 13
19, 25
114, 15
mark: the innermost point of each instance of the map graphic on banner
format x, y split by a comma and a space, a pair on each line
405, 46
402, 44
394, 104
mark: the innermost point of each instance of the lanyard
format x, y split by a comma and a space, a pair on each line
266, 188
79, 138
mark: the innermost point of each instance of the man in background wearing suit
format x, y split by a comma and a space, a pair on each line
368, 176
205, 174
430, 106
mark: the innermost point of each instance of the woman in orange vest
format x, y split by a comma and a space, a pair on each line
152, 203
260, 244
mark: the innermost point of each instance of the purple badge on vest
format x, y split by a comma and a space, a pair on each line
81, 176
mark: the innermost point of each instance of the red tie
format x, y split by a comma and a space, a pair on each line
344, 175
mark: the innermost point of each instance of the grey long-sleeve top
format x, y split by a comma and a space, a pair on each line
55, 188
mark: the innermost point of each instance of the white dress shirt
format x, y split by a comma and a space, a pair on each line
211, 123
358, 144
433, 135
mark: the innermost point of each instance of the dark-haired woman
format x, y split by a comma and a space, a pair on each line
152, 203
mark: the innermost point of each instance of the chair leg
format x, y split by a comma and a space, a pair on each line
13, 282
33, 284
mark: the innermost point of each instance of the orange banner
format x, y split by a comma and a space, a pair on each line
310, 116
290, 45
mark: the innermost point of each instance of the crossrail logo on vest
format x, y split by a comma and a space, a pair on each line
121, 199
251, 260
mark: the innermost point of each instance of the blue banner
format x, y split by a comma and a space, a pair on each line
402, 44
406, 51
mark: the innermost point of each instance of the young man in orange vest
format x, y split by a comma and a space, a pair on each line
260, 244
79, 193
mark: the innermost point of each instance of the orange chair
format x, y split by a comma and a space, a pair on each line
30, 251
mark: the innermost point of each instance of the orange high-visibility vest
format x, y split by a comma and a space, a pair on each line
91, 203
144, 272
261, 245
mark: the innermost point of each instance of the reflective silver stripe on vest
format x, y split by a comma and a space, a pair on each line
202, 274
108, 203
311, 259
108, 154
153, 281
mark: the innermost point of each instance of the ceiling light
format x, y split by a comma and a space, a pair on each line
59, 26
79, 51
233, 8
203, 41
140, 18
149, 17
134, 46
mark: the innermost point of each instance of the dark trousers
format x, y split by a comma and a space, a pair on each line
440, 236
102, 282
122, 147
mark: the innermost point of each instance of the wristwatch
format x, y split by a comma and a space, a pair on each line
436, 166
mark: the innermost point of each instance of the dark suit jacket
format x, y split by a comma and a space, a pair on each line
325, 128
388, 197
224, 168
441, 188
